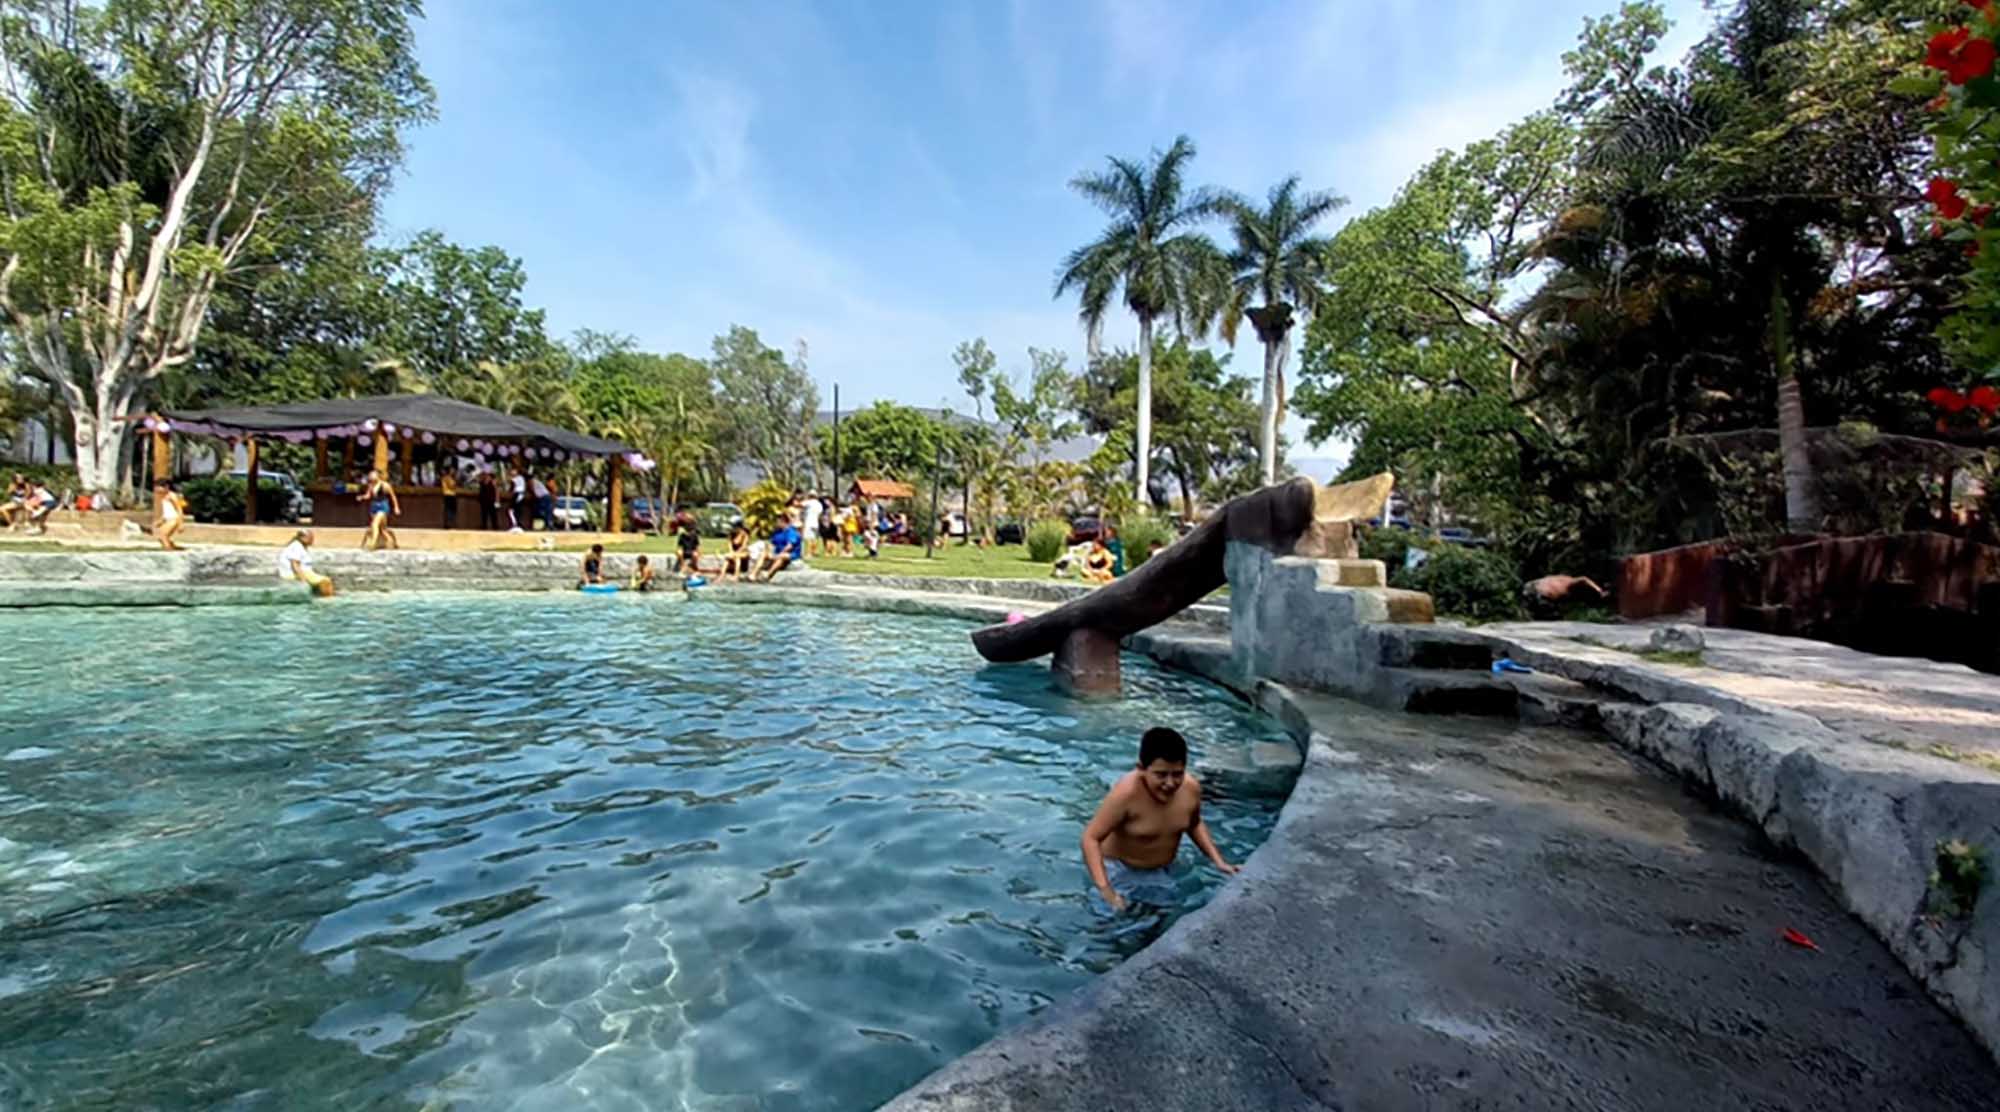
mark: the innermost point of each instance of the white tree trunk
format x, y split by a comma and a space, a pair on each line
95, 447
1143, 450
1267, 427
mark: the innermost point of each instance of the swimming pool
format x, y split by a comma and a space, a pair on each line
543, 851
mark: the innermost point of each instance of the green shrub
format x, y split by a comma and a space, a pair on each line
764, 506
58, 479
1046, 541
1388, 545
1474, 583
1144, 535
219, 499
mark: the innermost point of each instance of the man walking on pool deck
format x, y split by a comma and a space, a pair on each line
1131, 842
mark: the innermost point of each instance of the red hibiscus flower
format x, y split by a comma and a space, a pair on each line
1943, 193
1962, 55
1947, 399
1979, 214
1985, 399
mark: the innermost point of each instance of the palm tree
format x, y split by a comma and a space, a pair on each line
1163, 268
1277, 263
677, 438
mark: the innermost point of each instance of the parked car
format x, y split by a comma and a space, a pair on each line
1009, 532
572, 511
643, 513
715, 518
1083, 530
297, 503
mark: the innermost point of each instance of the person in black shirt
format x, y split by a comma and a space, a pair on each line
690, 542
489, 501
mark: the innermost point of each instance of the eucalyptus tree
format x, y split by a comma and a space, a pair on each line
1152, 255
1276, 269
150, 150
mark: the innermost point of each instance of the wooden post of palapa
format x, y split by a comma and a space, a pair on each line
409, 445
616, 510
382, 453
346, 458
250, 480
319, 458
163, 469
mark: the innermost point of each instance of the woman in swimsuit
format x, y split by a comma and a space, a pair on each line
381, 499
173, 516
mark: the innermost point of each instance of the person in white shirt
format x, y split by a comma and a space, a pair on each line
519, 508
813, 508
295, 562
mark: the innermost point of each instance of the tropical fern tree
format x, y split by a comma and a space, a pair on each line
1275, 281
1151, 254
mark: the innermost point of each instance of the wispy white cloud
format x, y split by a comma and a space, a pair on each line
714, 122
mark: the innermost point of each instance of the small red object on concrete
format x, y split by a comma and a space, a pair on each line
1799, 940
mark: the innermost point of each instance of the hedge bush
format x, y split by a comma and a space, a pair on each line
1144, 535
220, 499
1475, 583
1388, 545
1046, 541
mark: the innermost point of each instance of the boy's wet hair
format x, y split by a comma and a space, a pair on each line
642, 561
1162, 743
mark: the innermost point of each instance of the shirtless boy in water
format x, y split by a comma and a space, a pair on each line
1131, 843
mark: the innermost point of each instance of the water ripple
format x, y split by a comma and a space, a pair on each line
549, 852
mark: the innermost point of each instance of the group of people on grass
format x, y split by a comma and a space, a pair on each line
28, 503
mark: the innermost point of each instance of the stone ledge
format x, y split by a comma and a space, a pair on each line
1868, 817
36, 595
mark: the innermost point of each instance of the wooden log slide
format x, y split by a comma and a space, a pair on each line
1294, 518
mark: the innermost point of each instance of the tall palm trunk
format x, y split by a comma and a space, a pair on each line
1267, 427
1144, 448
1801, 500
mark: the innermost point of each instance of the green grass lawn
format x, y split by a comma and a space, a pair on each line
950, 562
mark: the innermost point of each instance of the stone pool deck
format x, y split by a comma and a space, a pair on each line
1459, 912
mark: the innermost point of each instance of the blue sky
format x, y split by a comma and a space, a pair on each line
885, 179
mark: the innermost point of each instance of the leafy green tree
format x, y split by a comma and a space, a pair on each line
977, 450
1414, 352
448, 308
1150, 254
767, 406
1205, 422
153, 150
888, 440
1277, 263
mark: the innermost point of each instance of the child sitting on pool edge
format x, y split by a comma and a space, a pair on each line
1130, 845
593, 567
642, 575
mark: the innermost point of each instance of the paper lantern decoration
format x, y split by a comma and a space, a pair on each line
562, 456
430, 438
369, 425
463, 444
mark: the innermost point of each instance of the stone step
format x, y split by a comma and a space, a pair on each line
1447, 691
1550, 700
1434, 647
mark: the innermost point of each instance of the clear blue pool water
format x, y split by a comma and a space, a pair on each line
548, 851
